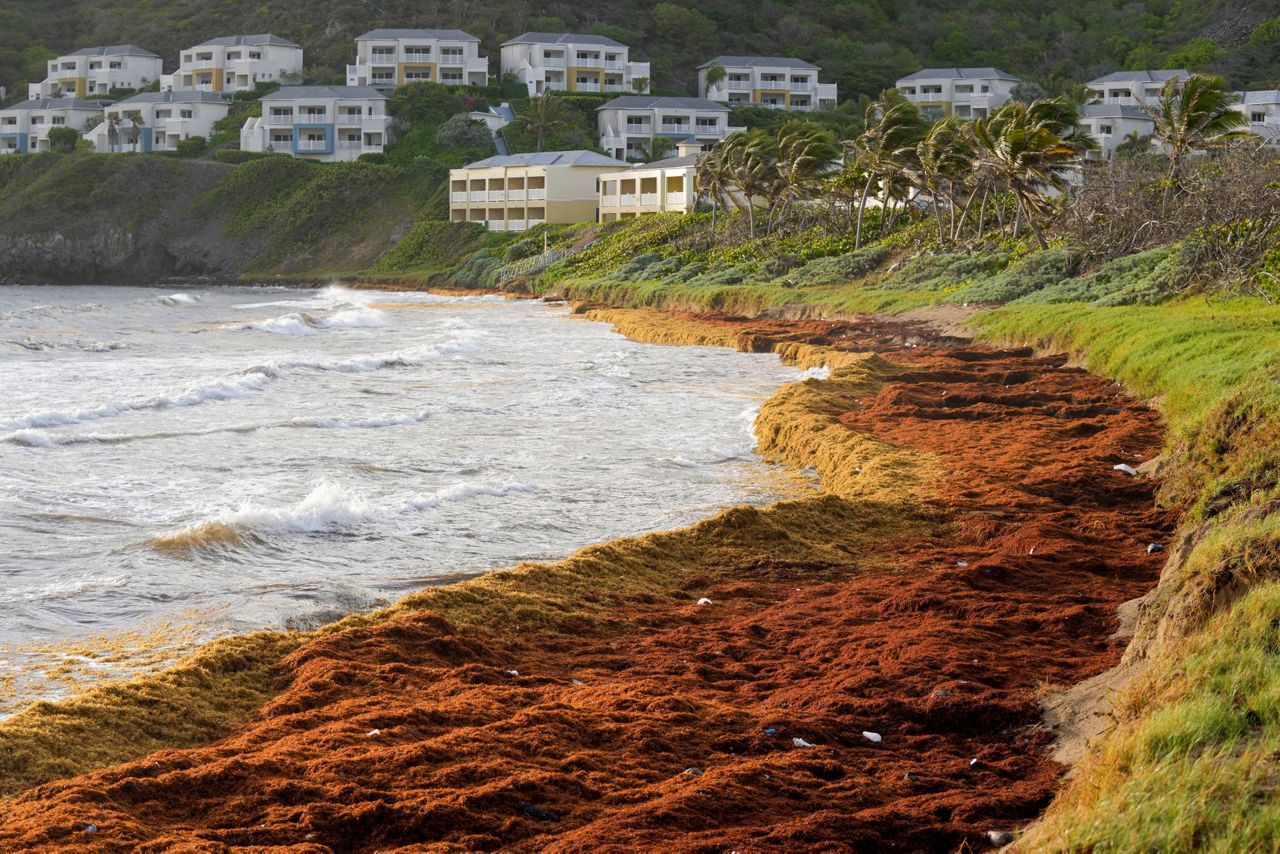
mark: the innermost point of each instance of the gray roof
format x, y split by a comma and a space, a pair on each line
563, 38
1261, 96
749, 61
646, 102
447, 35
56, 104
176, 98
1113, 111
549, 158
293, 93
237, 41
958, 73
671, 162
1141, 76
113, 50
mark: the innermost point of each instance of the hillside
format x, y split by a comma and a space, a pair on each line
863, 45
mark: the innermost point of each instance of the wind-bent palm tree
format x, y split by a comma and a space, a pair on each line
1194, 115
135, 129
713, 180
803, 154
1134, 143
942, 164
113, 132
750, 164
546, 115
884, 149
1028, 149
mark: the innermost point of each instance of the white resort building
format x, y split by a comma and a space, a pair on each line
969, 93
1133, 88
234, 64
1262, 109
630, 124
516, 192
25, 126
780, 82
1111, 125
390, 58
160, 119
325, 123
97, 70
657, 187
573, 62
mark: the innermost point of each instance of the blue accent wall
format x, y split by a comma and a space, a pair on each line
24, 141
147, 142
329, 137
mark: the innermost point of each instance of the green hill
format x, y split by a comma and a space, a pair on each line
863, 45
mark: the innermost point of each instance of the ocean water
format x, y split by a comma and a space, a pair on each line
243, 458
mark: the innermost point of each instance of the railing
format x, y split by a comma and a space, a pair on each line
610, 201
804, 86
587, 62
588, 87
627, 200
648, 198
417, 56
515, 225
279, 120
638, 129
615, 65
479, 196
382, 57
615, 87
497, 195
453, 59
675, 198
350, 118
312, 145
516, 195
495, 224
458, 196
681, 128
708, 130
553, 62
538, 193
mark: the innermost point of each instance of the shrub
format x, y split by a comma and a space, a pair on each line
462, 131
236, 155
192, 146
836, 269
372, 157
63, 139
1147, 278
1035, 272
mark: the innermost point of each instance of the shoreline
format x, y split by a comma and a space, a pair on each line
796, 425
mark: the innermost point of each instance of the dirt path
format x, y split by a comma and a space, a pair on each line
674, 726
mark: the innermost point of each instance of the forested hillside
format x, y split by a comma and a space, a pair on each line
862, 44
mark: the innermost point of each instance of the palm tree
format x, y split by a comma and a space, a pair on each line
752, 169
135, 129
1134, 143
1194, 116
546, 115
884, 149
942, 163
713, 180
113, 132
804, 154
1027, 149
715, 73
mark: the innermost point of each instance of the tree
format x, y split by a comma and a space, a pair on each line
659, 147
884, 149
943, 159
462, 131
640, 85
714, 74
63, 139
135, 129
713, 181
1134, 144
192, 146
1028, 149
113, 132
1195, 115
545, 115
803, 154
1027, 91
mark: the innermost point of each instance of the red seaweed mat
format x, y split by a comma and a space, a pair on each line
673, 728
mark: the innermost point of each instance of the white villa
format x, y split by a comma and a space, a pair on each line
97, 70
970, 93
781, 82
1262, 108
573, 62
629, 124
1133, 88
234, 64
516, 192
25, 126
390, 58
657, 187
325, 123
1111, 124
164, 119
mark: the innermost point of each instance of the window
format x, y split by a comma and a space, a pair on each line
186, 114
1104, 130
1258, 117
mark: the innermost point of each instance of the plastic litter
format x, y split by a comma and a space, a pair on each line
770, 731
1155, 547
513, 672
1127, 469
874, 737
800, 742
704, 601
693, 772
373, 732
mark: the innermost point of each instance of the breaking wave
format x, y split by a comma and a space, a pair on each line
246, 382
328, 508
178, 299
302, 323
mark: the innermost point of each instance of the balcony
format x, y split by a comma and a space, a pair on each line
280, 120
553, 62
638, 130
588, 62
516, 195
497, 195
479, 196
453, 59
609, 201
648, 198
458, 197
496, 224
533, 223
675, 128
538, 193
615, 65
350, 118
515, 225
588, 87
801, 86
416, 56
313, 146
627, 200
739, 85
